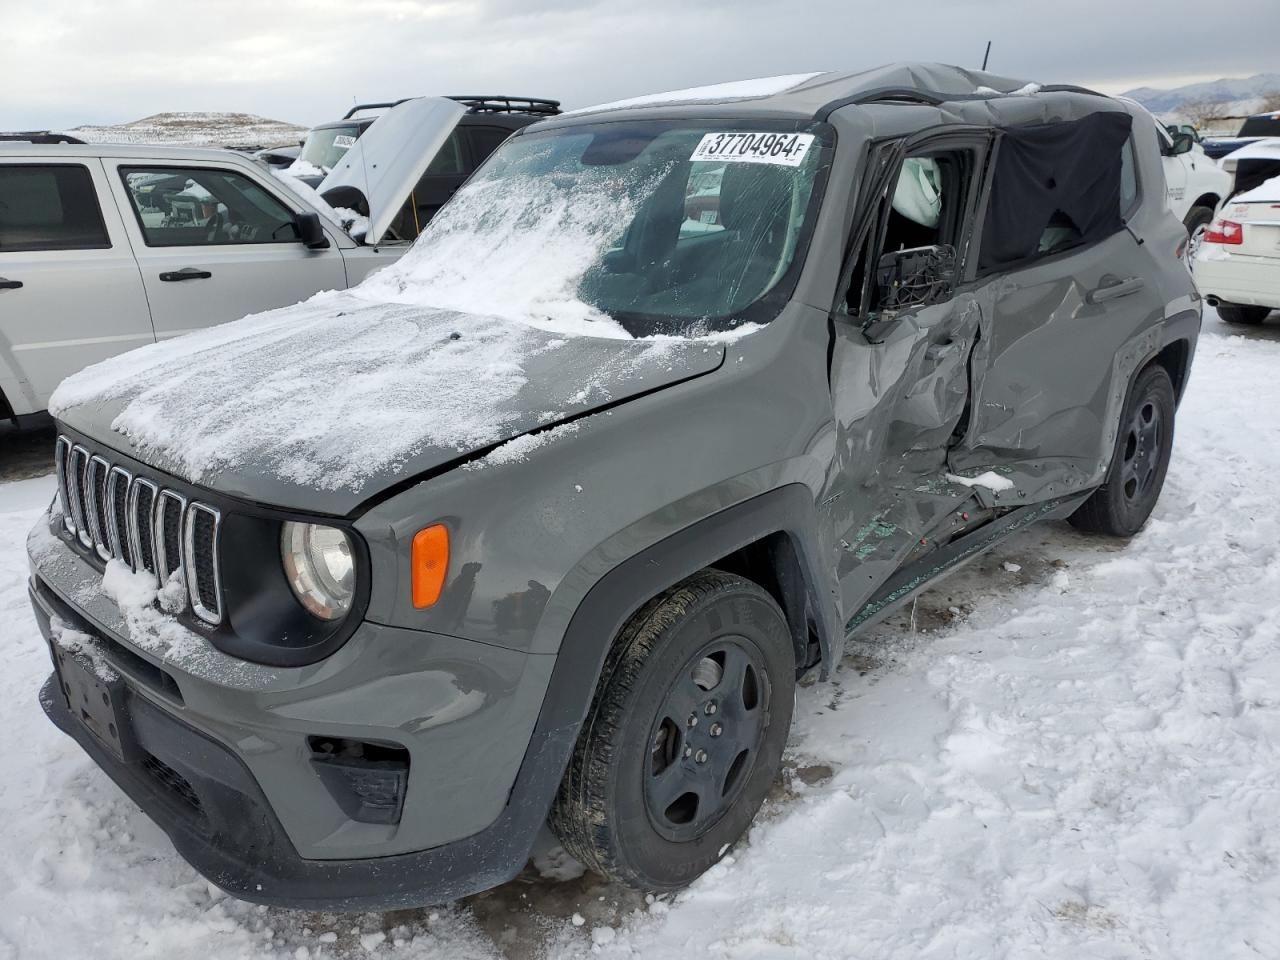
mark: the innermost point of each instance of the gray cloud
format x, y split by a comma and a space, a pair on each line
78, 61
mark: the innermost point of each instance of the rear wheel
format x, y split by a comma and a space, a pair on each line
685, 734
1122, 504
1242, 313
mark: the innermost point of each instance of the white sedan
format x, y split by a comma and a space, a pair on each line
1237, 265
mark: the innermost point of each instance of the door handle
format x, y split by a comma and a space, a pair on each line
188, 273
1115, 288
9, 284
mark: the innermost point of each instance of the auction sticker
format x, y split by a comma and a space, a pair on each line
342, 140
785, 149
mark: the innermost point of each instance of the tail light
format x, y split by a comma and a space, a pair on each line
1224, 231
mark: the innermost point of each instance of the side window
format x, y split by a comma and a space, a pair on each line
449, 159
53, 207
485, 140
184, 207
923, 209
1128, 179
1056, 187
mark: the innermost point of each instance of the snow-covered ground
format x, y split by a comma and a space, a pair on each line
1070, 749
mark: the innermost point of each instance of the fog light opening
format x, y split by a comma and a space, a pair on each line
367, 779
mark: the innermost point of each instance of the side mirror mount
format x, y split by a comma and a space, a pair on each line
310, 232
915, 277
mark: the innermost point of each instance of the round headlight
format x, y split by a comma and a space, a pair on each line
320, 568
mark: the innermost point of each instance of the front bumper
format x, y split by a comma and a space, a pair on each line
225, 769
1239, 279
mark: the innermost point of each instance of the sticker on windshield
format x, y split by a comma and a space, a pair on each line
341, 140
785, 149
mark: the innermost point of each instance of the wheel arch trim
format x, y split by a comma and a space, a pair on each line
788, 510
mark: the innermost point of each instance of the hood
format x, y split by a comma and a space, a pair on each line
390, 157
323, 405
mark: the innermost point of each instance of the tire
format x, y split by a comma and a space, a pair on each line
1197, 222
650, 741
1242, 313
1144, 443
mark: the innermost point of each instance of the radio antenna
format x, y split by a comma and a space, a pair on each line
985, 55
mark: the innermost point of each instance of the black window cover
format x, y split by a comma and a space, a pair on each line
1054, 175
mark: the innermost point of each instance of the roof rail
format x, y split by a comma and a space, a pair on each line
508, 104
40, 136
933, 98
374, 106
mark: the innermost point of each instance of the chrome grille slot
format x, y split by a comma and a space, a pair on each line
116, 515
61, 463
199, 557
95, 483
141, 524
118, 480
75, 481
168, 533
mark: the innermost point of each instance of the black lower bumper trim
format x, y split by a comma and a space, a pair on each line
211, 807
237, 843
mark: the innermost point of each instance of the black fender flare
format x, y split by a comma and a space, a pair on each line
789, 510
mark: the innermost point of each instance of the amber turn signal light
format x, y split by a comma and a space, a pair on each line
430, 564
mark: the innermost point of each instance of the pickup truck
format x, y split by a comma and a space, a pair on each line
1196, 186
1254, 128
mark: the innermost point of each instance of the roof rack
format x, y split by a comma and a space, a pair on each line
40, 136
506, 104
477, 104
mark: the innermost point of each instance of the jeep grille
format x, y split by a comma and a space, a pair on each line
139, 522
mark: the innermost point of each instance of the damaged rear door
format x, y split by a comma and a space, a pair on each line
1064, 305
903, 336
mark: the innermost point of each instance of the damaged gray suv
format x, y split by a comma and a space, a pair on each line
540, 524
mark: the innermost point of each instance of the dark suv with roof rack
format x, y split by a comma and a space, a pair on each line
542, 522
487, 122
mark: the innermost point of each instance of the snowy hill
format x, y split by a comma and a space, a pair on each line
1238, 95
196, 129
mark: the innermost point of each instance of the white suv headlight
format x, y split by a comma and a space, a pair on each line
320, 567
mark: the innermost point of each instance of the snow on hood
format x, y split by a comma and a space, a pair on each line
475, 337
342, 395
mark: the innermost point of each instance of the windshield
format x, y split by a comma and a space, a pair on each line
1267, 125
325, 146
647, 228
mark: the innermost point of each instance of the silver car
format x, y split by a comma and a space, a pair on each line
107, 247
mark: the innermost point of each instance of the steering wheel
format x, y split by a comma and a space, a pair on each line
215, 227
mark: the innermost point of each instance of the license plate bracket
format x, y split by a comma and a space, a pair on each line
96, 699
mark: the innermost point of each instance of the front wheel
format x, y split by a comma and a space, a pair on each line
1197, 223
1242, 313
684, 736
1126, 498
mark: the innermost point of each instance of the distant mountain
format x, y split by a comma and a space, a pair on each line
196, 129
1240, 94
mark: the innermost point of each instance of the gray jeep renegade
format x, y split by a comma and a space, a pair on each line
540, 525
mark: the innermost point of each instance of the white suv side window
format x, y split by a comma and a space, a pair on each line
49, 207
181, 207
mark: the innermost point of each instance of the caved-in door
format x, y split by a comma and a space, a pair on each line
900, 358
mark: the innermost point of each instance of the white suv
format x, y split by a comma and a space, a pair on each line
107, 247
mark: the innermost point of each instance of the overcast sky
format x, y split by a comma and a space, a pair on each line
67, 62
